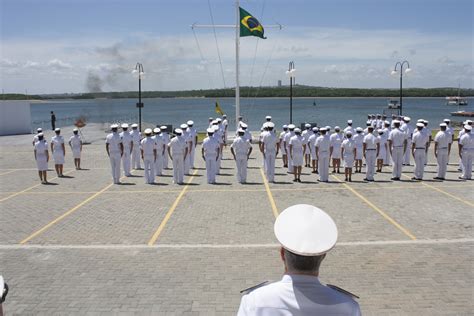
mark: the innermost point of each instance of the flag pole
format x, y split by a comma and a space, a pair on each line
237, 49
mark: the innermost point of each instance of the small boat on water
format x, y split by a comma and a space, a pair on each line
393, 104
457, 100
462, 113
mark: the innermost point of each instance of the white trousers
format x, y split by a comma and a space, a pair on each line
115, 160
442, 160
136, 157
290, 161
467, 156
406, 156
219, 162
149, 169
165, 158
370, 156
270, 165
323, 167
159, 165
419, 163
211, 168
191, 156
126, 161
178, 169
241, 163
187, 164
397, 159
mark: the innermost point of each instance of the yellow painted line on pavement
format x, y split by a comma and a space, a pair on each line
30, 188
269, 194
170, 212
1, 174
377, 209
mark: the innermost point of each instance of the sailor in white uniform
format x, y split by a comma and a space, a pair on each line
349, 128
397, 145
148, 148
306, 134
211, 122
241, 150
466, 152
220, 139
450, 132
286, 143
322, 154
247, 134
210, 153
284, 155
178, 150
35, 138
312, 148
306, 234
127, 141
166, 139
359, 142
386, 131
114, 148
297, 148
418, 149
59, 151
371, 148
260, 144
462, 132
225, 125
382, 139
41, 157
348, 154
160, 151
427, 130
188, 140
75, 142
335, 150
268, 119
270, 146
408, 130
441, 141
137, 137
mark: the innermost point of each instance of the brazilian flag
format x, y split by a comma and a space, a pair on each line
249, 25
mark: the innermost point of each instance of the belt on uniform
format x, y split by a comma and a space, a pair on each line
371, 149
443, 148
397, 146
420, 148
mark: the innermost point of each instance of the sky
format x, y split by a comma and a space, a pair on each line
71, 46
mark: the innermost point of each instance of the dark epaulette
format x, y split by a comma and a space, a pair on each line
337, 288
250, 289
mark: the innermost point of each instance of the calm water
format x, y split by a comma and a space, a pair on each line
330, 111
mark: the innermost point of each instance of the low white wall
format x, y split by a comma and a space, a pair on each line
15, 117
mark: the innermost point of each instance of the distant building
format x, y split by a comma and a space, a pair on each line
279, 83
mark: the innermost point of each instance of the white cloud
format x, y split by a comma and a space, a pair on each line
58, 64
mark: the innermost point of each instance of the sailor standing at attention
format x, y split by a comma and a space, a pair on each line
35, 138
210, 153
382, 139
187, 139
241, 150
59, 151
427, 130
297, 148
348, 154
127, 141
75, 142
359, 143
312, 148
397, 145
335, 149
218, 137
178, 150
160, 151
349, 128
450, 132
137, 137
284, 155
148, 148
408, 130
371, 148
441, 141
286, 142
306, 234
466, 152
114, 148
166, 139
270, 147
418, 149
386, 132
42, 157
306, 134
322, 154
225, 124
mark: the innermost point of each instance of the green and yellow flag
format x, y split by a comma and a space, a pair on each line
249, 25
218, 109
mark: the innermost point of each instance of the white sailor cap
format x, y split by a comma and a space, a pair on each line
75, 129
210, 130
359, 129
224, 115
328, 127
268, 117
396, 122
178, 131
243, 125
265, 125
134, 125
420, 125
305, 230
446, 120
163, 127
420, 121
291, 126
183, 126
190, 123
407, 119
387, 123
468, 122
307, 125
270, 125
349, 121
156, 130
240, 131
323, 129
57, 129
368, 122
443, 125
148, 131
39, 130
315, 129
40, 134
114, 126
285, 126
210, 119
297, 130
349, 133
337, 128
380, 131
425, 122
124, 125
468, 127
218, 120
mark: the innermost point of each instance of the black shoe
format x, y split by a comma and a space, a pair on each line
395, 179
365, 179
299, 180
295, 180
314, 172
461, 178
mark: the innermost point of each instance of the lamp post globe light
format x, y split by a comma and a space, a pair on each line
291, 74
139, 72
395, 71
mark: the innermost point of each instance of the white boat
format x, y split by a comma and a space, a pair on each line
457, 100
393, 104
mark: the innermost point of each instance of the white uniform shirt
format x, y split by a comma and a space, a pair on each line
136, 137
241, 147
371, 141
287, 138
312, 141
358, 140
57, 142
248, 136
166, 137
408, 130
297, 295
114, 140
159, 142
323, 143
270, 142
127, 140
443, 139
348, 145
467, 142
297, 142
450, 131
148, 145
225, 123
178, 145
75, 142
336, 141
41, 148
349, 129
192, 132
420, 138
382, 139
211, 147
397, 136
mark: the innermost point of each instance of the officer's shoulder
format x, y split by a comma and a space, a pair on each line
340, 290
256, 287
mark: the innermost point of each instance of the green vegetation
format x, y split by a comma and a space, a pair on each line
298, 91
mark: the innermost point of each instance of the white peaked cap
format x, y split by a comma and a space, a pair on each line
190, 123
163, 127
420, 125
307, 125
40, 134
323, 129
285, 126
270, 124
446, 120
218, 120
387, 122
349, 121
178, 131
337, 127
468, 122
396, 122
124, 125
57, 129
243, 125
420, 121
210, 130
468, 127
134, 125
297, 130
75, 130
315, 129
359, 129
148, 131
184, 126
305, 230
156, 130
443, 125
268, 117
210, 119
240, 130
328, 127
348, 133
39, 130
114, 126
407, 119
215, 128
291, 126
380, 131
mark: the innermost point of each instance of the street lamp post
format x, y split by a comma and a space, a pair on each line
394, 72
139, 70
291, 73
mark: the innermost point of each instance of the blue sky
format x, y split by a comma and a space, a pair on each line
53, 46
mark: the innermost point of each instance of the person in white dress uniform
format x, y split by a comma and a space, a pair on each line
286, 142
41, 157
75, 142
441, 141
466, 152
136, 155
418, 149
335, 149
193, 136
306, 234
166, 139
359, 142
59, 152
270, 148
408, 130
397, 145
178, 150
127, 141
450, 132
371, 147
114, 148
35, 138
386, 131
160, 151
148, 149
382, 139
312, 148
349, 128
306, 134
210, 153
297, 149
322, 154
241, 150
284, 155
348, 154
225, 125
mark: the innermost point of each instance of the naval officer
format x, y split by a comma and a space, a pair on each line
306, 134
241, 150
127, 141
418, 149
359, 143
225, 125
297, 149
382, 139
270, 147
408, 130
59, 151
335, 149
371, 148
349, 128
160, 151
166, 139
306, 234
348, 154
450, 132
114, 148
192, 132
75, 142
42, 157
148, 149
466, 152
397, 145
322, 154
284, 155
35, 138
136, 137
286, 143
178, 150
312, 148
441, 141
210, 153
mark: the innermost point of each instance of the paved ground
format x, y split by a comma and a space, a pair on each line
82, 245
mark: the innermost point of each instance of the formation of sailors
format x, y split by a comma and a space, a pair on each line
380, 144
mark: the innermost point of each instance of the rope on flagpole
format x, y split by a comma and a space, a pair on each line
217, 45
